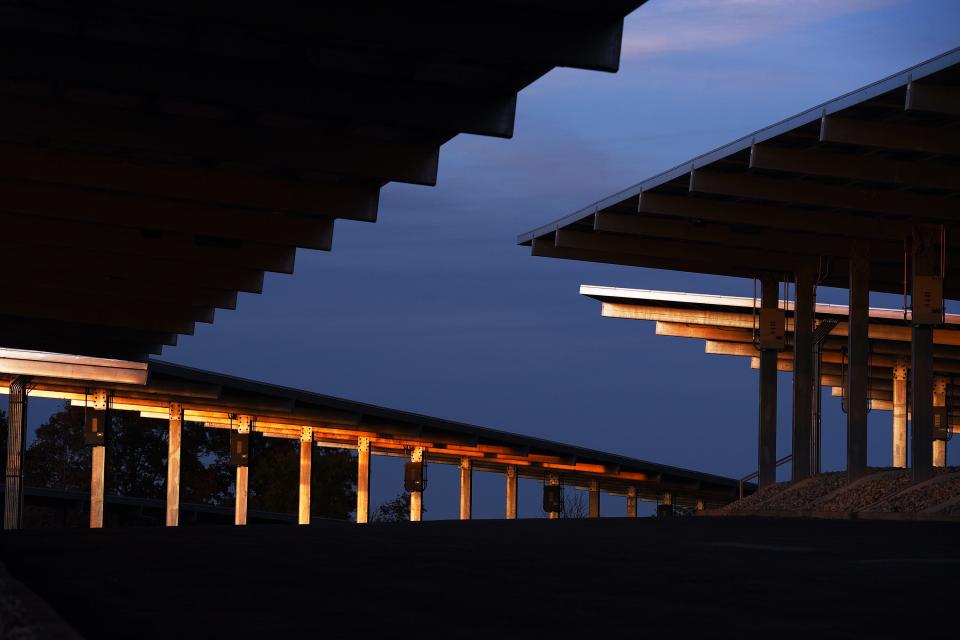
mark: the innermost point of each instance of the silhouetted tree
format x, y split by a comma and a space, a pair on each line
275, 478
573, 504
396, 510
137, 464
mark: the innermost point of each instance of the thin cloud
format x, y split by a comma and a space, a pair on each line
668, 26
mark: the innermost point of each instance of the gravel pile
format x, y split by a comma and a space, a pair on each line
924, 496
803, 494
752, 502
865, 492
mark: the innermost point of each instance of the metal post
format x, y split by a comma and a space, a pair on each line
466, 488
594, 499
939, 400
900, 414
631, 502
511, 477
363, 480
16, 444
416, 497
804, 384
925, 263
553, 479
767, 449
173, 464
858, 353
306, 464
244, 425
98, 455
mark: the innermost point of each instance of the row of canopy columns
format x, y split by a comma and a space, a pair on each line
95, 421
928, 391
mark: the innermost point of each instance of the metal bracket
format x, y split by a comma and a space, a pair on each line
244, 423
900, 370
176, 411
99, 399
306, 434
416, 454
363, 443
939, 384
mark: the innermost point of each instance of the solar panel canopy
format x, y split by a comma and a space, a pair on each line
156, 158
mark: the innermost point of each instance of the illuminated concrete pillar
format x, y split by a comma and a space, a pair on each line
98, 459
700, 505
306, 464
466, 488
804, 385
416, 497
900, 414
940, 400
16, 445
511, 478
173, 463
363, 480
767, 445
553, 479
667, 498
631, 502
594, 499
858, 354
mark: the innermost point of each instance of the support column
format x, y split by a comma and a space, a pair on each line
858, 354
363, 480
416, 497
511, 475
240, 503
98, 459
940, 400
631, 502
767, 449
923, 302
804, 385
900, 413
306, 464
466, 488
594, 499
173, 464
668, 498
16, 444
700, 505
553, 479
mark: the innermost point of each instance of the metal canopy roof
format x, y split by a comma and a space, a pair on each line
156, 158
867, 165
726, 324
279, 411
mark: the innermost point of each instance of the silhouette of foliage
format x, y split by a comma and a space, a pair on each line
275, 478
396, 510
136, 464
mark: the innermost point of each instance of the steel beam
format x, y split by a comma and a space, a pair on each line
804, 384
939, 400
173, 463
900, 414
466, 488
631, 502
890, 135
306, 464
510, 474
418, 454
16, 446
859, 360
767, 446
594, 499
925, 263
363, 480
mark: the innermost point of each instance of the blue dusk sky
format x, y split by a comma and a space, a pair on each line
434, 308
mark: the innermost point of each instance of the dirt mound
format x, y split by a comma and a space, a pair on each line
924, 496
865, 491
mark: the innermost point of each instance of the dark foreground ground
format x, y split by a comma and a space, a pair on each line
687, 577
